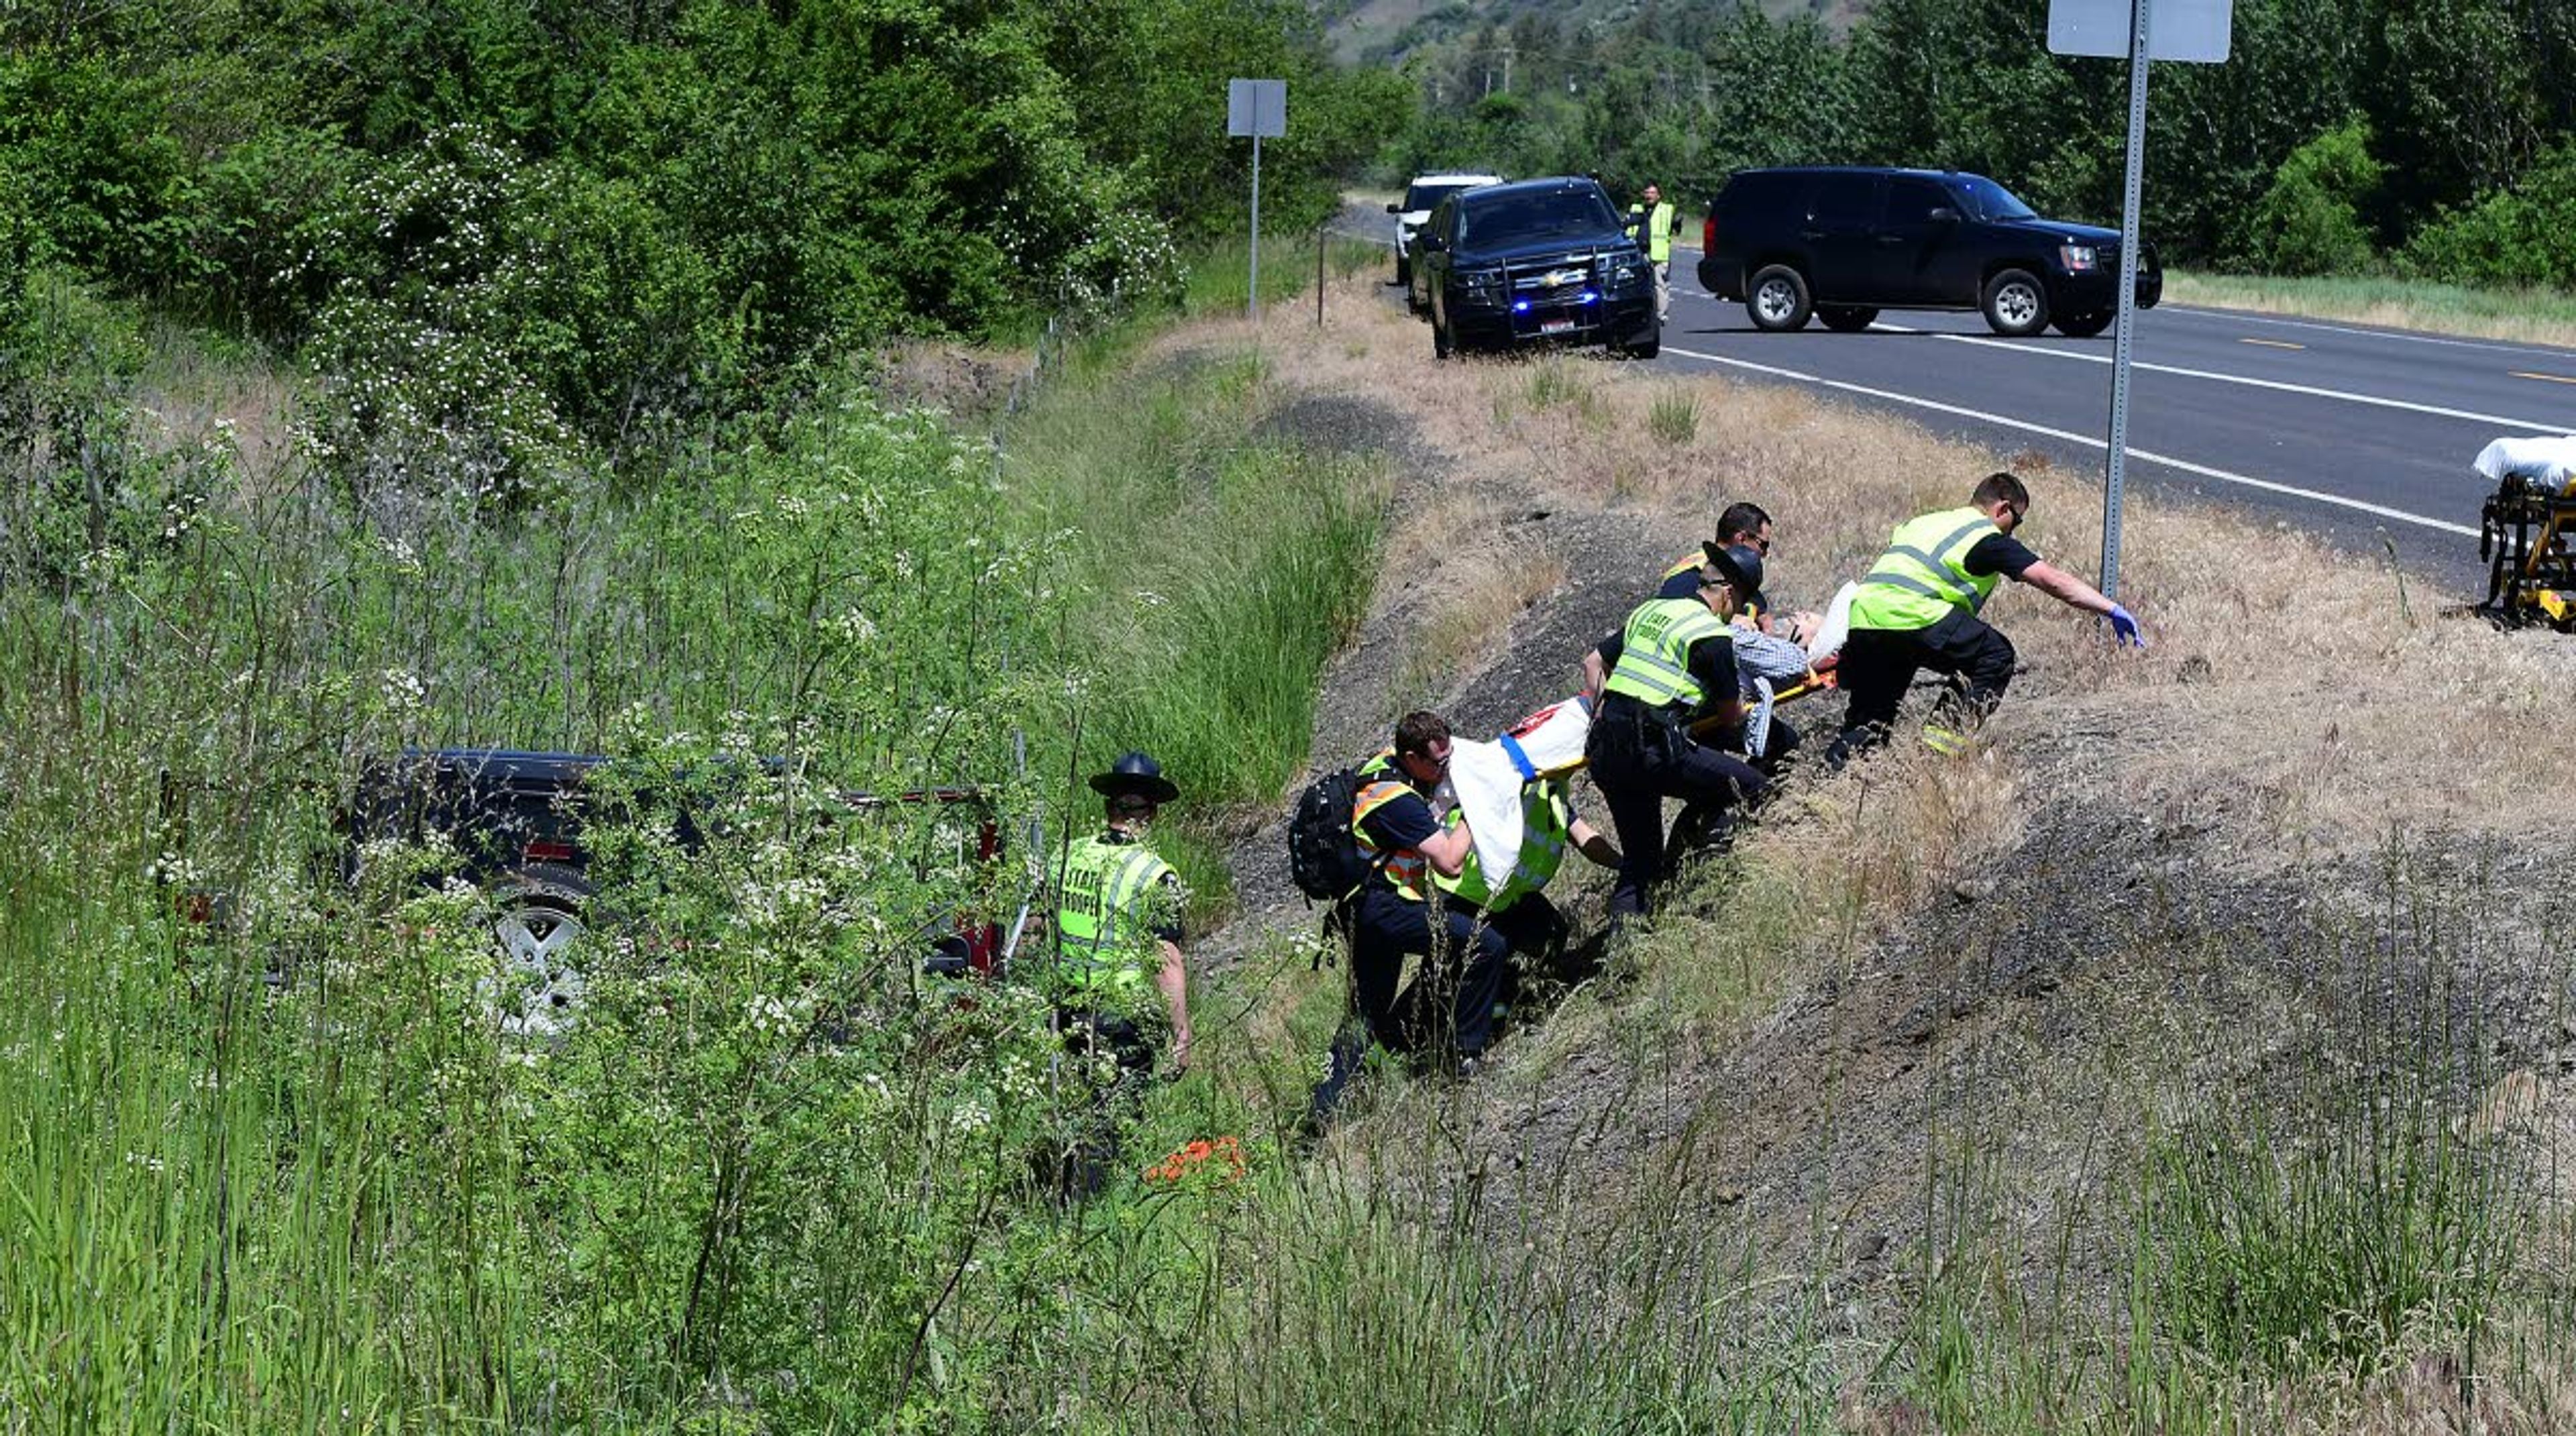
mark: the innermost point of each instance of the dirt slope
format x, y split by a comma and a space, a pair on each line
2310, 830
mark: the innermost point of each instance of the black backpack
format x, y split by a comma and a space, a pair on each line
1324, 855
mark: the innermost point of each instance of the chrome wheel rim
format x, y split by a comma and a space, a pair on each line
2017, 305
1777, 300
540, 986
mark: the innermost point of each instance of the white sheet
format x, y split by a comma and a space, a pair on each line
2543, 460
1488, 781
1837, 624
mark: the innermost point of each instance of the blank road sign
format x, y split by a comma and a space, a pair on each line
1256, 108
2176, 29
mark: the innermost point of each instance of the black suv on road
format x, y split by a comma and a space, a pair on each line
1844, 243
1506, 264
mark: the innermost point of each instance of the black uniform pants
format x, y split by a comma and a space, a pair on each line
1879, 664
1463, 963
1639, 759
1080, 1165
1535, 932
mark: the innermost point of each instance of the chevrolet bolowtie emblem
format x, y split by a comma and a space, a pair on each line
1556, 277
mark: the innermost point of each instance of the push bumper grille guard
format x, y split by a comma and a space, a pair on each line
1575, 287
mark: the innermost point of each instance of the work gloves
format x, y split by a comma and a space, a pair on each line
2125, 628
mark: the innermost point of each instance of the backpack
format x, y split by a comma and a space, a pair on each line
1324, 856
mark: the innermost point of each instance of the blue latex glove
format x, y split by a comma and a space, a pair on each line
2125, 628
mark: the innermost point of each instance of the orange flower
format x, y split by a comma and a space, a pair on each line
1198, 1151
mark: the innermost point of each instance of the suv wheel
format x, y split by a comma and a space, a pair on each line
2083, 326
1403, 270
1846, 318
1777, 299
1648, 347
2016, 304
538, 931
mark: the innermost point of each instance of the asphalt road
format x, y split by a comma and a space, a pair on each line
2361, 434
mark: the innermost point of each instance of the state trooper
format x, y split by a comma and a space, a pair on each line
1672, 667
1653, 222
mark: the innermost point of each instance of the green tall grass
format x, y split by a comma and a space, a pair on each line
1213, 563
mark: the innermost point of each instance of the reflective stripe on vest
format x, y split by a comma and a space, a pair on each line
1406, 868
1923, 577
1545, 830
1654, 652
1103, 919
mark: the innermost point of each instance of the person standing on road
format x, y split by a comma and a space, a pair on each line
1918, 608
1653, 220
1396, 914
1672, 666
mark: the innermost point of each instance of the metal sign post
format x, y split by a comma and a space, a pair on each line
1258, 109
2194, 30
2124, 330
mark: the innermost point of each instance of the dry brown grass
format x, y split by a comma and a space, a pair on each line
2525, 317
1488, 575
2293, 702
2294, 710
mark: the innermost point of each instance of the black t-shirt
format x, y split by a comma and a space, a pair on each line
1400, 823
1999, 553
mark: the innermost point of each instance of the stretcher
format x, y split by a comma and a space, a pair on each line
2527, 530
1810, 687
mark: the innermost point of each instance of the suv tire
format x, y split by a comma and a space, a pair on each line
1648, 347
1442, 346
2083, 326
1846, 318
1777, 299
2016, 303
538, 926
1404, 274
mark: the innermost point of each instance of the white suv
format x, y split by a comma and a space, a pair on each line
1420, 197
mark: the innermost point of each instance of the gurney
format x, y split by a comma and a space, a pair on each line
2527, 530
1485, 778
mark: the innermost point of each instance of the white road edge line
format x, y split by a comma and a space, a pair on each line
2184, 465
2243, 316
2012, 346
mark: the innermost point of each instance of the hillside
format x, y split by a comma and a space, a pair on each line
1954, 1068
2190, 1056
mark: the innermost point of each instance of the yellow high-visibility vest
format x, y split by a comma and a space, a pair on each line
1923, 577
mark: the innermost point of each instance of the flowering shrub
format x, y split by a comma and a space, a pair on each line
486, 314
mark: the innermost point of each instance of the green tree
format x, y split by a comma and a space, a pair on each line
2309, 221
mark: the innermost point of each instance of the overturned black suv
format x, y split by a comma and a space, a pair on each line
1509, 264
1843, 243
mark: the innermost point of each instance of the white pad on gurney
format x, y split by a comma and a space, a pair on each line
1837, 625
2548, 462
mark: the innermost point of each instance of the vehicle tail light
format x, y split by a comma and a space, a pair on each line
549, 851
983, 945
1708, 235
